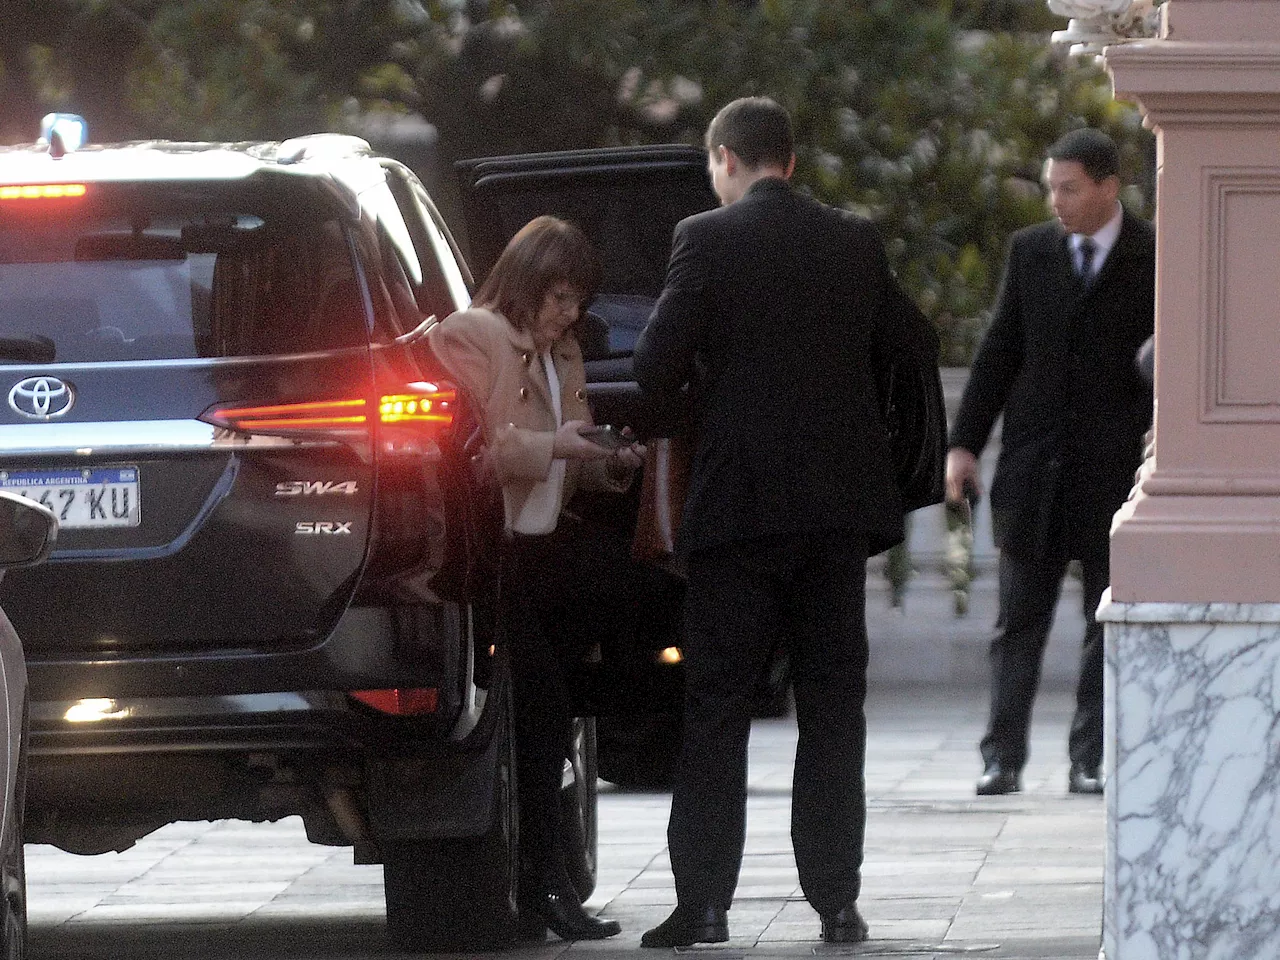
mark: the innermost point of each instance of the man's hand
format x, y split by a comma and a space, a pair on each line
962, 475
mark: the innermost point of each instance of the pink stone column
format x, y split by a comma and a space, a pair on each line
1193, 615
1205, 525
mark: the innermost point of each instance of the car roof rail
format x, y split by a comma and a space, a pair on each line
317, 145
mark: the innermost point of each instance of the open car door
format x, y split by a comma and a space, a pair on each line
627, 200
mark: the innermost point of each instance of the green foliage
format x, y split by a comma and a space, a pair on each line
934, 131
930, 118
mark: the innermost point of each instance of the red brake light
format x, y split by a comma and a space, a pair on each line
419, 403
427, 403
318, 415
41, 191
402, 703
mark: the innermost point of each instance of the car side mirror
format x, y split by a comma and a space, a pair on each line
28, 530
593, 336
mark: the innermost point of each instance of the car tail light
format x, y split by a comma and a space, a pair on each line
426, 404
317, 415
410, 702
41, 191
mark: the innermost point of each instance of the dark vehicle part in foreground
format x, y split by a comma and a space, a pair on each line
28, 532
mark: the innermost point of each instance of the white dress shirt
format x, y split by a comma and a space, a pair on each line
1103, 241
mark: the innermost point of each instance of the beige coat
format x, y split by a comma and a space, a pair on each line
499, 366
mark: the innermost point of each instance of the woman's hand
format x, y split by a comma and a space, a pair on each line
570, 444
626, 459
632, 455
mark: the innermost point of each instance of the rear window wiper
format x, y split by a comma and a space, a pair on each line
27, 348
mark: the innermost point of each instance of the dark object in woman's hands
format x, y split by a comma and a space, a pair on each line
607, 436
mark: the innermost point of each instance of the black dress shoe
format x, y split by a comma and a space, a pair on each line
563, 915
1084, 779
997, 781
847, 926
686, 927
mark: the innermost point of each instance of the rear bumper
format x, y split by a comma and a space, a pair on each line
369, 648
308, 720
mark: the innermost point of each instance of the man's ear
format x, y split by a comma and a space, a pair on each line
729, 159
791, 167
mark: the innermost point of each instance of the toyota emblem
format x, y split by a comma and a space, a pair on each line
41, 398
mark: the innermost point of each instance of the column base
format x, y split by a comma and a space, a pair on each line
1192, 759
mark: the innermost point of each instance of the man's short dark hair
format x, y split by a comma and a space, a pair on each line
757, 129
1092, 149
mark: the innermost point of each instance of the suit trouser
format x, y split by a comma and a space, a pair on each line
742, 597
1029, 591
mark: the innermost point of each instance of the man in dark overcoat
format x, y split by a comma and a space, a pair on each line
1076, 303
770, 314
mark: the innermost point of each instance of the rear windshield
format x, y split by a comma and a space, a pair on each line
169, 272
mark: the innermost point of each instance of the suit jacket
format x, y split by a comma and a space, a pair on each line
771, 311
1058, 360
499, 366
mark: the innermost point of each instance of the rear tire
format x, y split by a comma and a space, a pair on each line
579, 818
459, 894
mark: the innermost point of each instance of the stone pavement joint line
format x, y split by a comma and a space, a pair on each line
946, 874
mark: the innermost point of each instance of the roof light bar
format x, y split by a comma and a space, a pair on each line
41, 191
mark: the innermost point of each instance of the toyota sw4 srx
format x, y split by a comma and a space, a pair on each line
274, 589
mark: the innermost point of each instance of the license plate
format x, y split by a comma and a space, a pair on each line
99, 497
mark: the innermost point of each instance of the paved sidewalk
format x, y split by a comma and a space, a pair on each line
947, 874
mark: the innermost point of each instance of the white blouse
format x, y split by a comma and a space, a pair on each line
541, 509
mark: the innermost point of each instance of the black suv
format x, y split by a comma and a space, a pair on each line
274, 588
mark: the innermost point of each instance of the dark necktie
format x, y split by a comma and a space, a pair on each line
1087, 251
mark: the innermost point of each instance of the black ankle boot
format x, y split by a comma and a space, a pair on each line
562, 914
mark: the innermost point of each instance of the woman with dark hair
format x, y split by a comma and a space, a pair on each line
515, 352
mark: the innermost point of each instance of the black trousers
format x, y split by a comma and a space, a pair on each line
549, 584
1029, 591
809, 592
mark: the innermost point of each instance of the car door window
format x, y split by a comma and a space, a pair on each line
441, 285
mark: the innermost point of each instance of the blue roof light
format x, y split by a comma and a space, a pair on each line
69, 128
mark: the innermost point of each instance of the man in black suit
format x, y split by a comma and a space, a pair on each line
1076, 303
771, 311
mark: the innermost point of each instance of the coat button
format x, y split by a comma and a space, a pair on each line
527, 358
524, 393
581, 395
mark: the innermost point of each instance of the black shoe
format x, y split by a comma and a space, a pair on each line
1084, 779
847, 926
997, 781
563, 915
686, 927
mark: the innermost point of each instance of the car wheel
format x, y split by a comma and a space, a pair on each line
459, 894
14, 930
578, 811
640, 752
